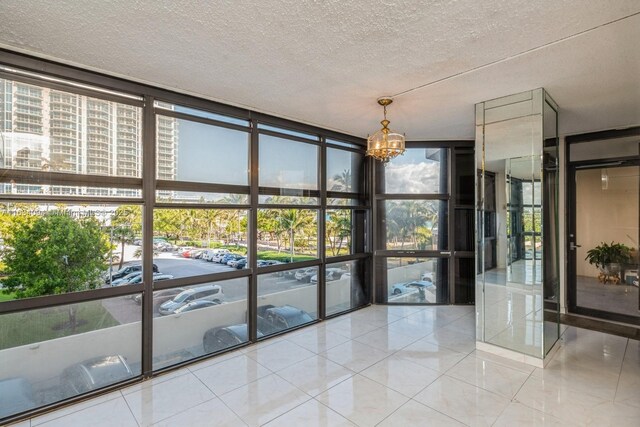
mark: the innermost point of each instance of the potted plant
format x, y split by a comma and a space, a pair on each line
608, 258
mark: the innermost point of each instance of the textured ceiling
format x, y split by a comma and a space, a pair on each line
326, 62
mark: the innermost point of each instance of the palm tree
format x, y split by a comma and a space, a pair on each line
338, 228
342, 181
294, 220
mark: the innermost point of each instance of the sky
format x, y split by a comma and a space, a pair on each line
213, 154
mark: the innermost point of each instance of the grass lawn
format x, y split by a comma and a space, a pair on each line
48, 323
7, 297
283, 256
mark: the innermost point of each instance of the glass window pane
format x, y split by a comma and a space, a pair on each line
287, 299
465, 281
170, 196
50, 354
531, 193
342, 143
413, 224
193, 242
51, 189
287, 235
464, 229
417, 171
191, 151
344, 170
288, 164
55, 249
54, 131
287, 131
465, 178
339, 201
345, 285
417, 280
196, 320
200, 113
338, 232
288, 200
605, 149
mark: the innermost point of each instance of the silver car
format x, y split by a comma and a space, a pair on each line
207, 292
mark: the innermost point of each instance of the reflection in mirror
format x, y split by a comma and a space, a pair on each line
517, 223
416, 280
524, 249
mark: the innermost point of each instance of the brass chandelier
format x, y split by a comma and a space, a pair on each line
385, 144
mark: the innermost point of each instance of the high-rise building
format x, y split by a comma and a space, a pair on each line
51, 130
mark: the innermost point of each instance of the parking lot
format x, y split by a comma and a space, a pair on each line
125, 309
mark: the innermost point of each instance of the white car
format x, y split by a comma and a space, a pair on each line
210, 254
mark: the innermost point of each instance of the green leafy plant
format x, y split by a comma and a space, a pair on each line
604, 254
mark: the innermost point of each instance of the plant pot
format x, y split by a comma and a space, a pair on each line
612, 269
610, 273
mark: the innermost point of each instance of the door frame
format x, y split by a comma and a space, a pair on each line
570, 208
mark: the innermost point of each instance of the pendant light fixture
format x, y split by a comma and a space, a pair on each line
385, 144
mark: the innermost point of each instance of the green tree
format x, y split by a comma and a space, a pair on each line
293, 221
126, 223
338, 228
170, 223
55, 254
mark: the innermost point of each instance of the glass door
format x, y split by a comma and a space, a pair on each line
603, 245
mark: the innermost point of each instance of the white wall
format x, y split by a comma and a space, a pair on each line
605, 215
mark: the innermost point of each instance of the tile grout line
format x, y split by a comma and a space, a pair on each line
130, 410
236, 388
440, 412
184, 410
72, 405
215, 396
624, 355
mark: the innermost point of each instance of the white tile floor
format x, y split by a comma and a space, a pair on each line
385, 366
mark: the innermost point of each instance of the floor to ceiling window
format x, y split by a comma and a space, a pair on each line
141, 229
419, 256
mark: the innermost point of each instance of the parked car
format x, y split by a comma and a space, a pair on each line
427, 277
163, 247
222, 337
159, 297
209, 254
126, 279
218, 257
229, 257
195, 305
330, 275
128, 269
234, 262
94, 373
305, 274
16, 395
275, 319
240, 264
411, 287
267, 262
183, 249
196, 253
207, 292
136, 280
